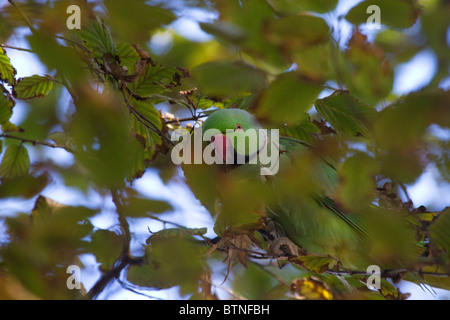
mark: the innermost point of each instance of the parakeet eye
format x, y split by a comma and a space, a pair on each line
239, 127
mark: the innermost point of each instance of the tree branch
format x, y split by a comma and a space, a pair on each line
125, 258
36, 142
178, 120
15, 48
129, 287
27, 21
143, 120
122, 221
79, 45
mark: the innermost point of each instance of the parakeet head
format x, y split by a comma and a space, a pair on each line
236, 134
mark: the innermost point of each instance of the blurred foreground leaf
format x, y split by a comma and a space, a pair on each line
395, 14
15, 162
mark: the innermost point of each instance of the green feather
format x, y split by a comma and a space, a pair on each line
301, 200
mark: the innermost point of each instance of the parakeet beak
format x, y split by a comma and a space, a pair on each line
221, 144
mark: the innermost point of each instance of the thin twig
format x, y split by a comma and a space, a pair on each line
124, 260
123, 222
106, 278
227, 290
15, 48
79, 45
27, 21
129, 287
330, 88
405, 191
167, 222
156, 96
143, 120
36, 142
386, 273
194, 118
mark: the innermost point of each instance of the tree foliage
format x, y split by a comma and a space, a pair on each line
110, 100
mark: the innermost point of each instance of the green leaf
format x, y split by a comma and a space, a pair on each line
346, 113
44, 207
357, 182
15, 163
61, 138
303, 131
442, 160
394, 14
156, 80
10, 127
25, 187
128, 56
317, 61
6, 106
402, 46
388, 290
106, 246
204, 103
44, 247
7, 71
254, 283
136, 167
293, 7
152, 119
435, 275
294, 33
180, 233
60, 227
141, 207
440, 233
242, 24
365, 71
64, 59
150, 274
410, 116
149, 111
171, 259
316, 263
434, 22
202, 182
135, 21
76, 176
223, 31
227, 78
32, 87
97, 38
287, 99
181, 261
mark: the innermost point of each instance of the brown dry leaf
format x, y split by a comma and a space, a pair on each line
236, 243
113, 67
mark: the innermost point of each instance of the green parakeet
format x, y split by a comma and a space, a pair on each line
297, 202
